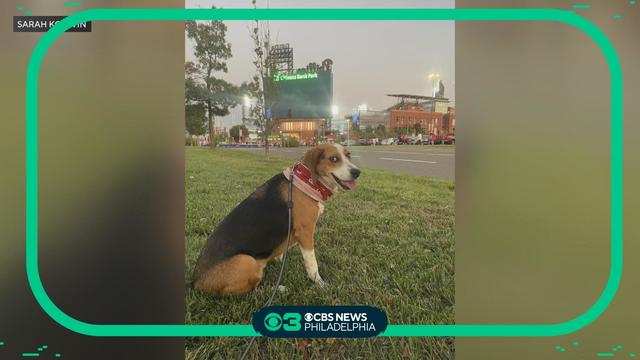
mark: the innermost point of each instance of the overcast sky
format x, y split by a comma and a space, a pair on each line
371, 58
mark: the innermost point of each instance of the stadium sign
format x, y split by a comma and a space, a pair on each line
300, 76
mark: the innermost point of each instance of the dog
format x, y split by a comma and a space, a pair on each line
255, 231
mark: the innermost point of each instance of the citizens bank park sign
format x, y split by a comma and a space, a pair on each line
299, 76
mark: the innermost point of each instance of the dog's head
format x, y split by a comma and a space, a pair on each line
332, 163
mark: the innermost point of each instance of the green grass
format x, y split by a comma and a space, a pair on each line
389, 243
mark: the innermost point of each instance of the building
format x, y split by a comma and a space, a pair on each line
373, 119
432, 114
408, 118
449, 120
299, 100
307, 131
302, 94
427, 103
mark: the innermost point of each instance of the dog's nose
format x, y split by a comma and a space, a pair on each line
355, 173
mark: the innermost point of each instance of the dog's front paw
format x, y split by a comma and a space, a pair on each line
318, 281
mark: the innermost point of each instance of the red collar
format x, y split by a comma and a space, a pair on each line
304, 181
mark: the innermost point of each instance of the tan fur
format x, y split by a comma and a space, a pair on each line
237, 275
317, 161
277, 253
312, 159
305, 215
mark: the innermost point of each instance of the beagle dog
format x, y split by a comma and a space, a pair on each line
255, 231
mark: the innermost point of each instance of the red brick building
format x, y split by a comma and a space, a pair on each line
432, 114
403, 119
449, 121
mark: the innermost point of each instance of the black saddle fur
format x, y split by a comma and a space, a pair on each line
256, 227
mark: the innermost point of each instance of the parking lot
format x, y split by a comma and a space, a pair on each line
425, 160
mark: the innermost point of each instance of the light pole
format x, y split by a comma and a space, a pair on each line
348, 126
435, 78
245, 105
362, 107
334, 113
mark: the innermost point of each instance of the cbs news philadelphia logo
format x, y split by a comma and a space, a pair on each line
320, 321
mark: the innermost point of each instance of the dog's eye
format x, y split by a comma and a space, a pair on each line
333, 159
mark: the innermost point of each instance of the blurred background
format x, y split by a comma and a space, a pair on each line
111, 234
532, 181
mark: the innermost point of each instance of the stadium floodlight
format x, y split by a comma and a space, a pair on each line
433, 77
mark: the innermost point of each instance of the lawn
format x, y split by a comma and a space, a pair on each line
389, 243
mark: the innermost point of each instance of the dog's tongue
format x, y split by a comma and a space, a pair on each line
351, 184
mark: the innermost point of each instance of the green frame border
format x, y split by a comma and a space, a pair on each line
180, 330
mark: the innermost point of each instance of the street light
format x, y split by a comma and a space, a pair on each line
334, 113
247, 104
362, 108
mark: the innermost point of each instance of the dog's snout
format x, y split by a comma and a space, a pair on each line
355, 172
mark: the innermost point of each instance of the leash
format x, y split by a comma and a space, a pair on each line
284, 260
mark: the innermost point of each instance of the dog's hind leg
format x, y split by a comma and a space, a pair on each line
238, 275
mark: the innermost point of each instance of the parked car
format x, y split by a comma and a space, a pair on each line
403, 139
348, 142
417, 141
388, 141
449, 139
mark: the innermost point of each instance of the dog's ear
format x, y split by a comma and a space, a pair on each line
312, 158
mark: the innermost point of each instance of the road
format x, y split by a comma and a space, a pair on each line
423, 160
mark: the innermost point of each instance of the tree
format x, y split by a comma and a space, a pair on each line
417, 128
262, 87
234, 132
201, 85
355, 131
195, 119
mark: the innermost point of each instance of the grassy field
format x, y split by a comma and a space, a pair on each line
389, 243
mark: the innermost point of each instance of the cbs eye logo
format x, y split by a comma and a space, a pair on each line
273, 322
288, 322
